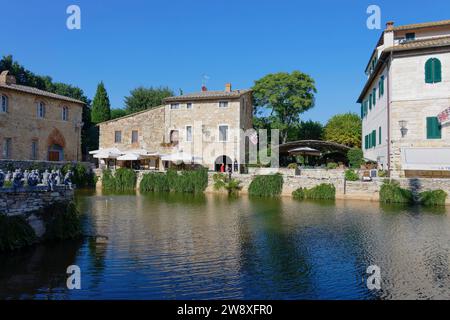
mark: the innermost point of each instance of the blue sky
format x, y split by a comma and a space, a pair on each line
173, 43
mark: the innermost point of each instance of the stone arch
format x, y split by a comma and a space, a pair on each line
223, 159
56, 144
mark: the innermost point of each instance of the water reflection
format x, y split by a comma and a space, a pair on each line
212, 246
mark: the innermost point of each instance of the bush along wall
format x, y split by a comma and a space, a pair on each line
15, 233
223, 182
433, 198
61, 220
124, 179
82, 177
188, 181
391, 192
266, 186
321, 192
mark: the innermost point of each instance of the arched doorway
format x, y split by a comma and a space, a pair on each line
223, 160
56, 144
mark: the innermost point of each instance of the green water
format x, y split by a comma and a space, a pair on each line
212, 246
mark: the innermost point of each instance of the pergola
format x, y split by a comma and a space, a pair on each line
326, 148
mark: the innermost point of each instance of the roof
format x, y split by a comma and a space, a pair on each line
422, 25
131, 115
38, 92
406, 46
207, 95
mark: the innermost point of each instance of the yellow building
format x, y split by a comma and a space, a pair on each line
38, 125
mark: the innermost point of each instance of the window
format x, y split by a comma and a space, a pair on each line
223, 104
189, 106
374, 139
410, 36
118, 136
7, 144
4, 102
175, 106
189, 133
134, 136
379, 135
433, 71
374, 96
370, 101
65, 114
433, 128
41, 110
381, 87
223, 133
366, 142
34, 150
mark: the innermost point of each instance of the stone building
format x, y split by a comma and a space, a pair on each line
203, 127
38, 125
405, 102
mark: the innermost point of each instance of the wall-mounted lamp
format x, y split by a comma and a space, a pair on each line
403, 128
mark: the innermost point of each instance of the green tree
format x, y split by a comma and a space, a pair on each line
146, 98
118, 113
344, 129
101, 109
306, 130
284, 96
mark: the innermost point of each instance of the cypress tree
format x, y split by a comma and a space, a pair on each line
101, 109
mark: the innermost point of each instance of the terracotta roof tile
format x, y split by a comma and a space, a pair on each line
38, 92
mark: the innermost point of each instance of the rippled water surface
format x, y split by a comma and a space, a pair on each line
213, 247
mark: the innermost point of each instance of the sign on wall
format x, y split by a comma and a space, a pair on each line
444, 116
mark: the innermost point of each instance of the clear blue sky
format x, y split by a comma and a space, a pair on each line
174, 42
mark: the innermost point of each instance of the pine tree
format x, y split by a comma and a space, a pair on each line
101, 109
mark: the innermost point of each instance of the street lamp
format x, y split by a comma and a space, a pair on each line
403, 128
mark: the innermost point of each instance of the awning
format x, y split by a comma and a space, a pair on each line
129, 157
111, 153
426, 159
179, 157
305, 151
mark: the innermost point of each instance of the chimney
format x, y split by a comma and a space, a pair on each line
6, 78
204, 88
228, 87
389, 25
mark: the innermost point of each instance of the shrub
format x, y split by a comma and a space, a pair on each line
332, 165
124, 179
266, 186
154, 182
351, 175
382, 173
391, 192
82, 177
191, 181
321, 192
433, 198
62, 221
15, 233
355, 157
292, 166
108, 181
221, 181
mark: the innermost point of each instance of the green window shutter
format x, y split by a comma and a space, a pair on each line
370, 102
374, 96
429, 71
379, 135
382, 86
362, 110
366, 140
374, 138
433, 128
437, 70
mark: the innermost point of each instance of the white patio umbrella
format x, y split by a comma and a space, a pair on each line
129, 157
180, 157
305, 151
109, 153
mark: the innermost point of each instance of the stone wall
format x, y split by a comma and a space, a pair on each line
6, 165
27, 202
350, 190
